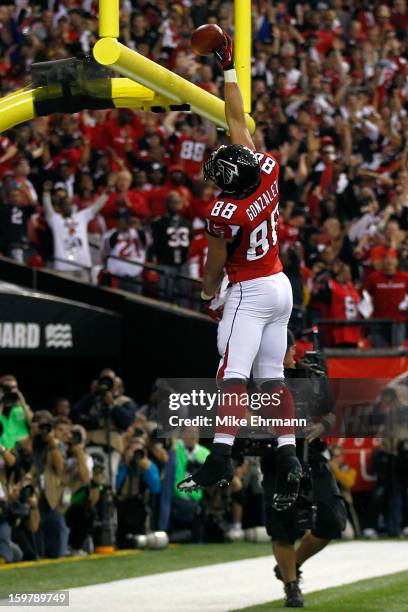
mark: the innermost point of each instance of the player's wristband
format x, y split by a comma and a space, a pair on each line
230, 76
205, 297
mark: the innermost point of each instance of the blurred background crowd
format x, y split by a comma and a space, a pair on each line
96, 472
118, 197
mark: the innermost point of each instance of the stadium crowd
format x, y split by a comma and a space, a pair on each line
74, 477
117, 197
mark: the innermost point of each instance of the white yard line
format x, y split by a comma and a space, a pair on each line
229, 586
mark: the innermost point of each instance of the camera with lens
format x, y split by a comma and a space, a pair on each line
76, 437
306, 508
44, 428
10, 398
138, 454
26, 492
105, 384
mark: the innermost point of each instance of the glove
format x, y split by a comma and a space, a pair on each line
225, 54
404, 304
214, 307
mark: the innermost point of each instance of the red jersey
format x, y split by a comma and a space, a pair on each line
388, 291
251, 226
344, 301
133, 200
188, 153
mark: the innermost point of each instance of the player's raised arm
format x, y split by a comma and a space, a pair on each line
234, 105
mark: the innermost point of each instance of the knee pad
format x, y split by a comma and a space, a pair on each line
227, 383
331, 518
272, 384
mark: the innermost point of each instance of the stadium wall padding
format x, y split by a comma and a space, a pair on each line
159, 340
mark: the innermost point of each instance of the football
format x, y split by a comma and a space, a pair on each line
206, 38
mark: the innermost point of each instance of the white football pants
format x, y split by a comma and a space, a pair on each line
252, 334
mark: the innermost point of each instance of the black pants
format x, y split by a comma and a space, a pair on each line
331, 511
80, 520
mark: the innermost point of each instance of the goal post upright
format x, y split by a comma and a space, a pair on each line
242, 42
109, 18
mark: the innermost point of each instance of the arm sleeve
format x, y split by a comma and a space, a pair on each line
48, 207
91, 211
152, 478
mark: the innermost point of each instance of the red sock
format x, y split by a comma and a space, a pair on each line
281, 407
233, 403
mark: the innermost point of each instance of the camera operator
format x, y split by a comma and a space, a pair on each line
15, 414
137, 479
319, 510
44, 451
106, 412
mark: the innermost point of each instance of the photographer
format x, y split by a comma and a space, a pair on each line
77, 477
319, 512
106, 412
186, 508
10, 552
25, 516
43, 450
15, 415
137, 479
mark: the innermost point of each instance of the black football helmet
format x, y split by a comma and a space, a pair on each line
234, 169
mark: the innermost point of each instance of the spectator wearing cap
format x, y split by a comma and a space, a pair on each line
123, 252
388, 289
71, 244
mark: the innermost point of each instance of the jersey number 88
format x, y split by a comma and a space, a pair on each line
261, 238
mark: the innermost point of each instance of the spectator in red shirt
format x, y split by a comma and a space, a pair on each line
344, 301
176, 181
124, 198
388, 289
399, 17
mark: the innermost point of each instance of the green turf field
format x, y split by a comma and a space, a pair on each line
385, 594
67, 574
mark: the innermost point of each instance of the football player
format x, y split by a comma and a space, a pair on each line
242, 239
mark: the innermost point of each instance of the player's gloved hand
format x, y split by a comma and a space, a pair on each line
225, 54
213, 306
